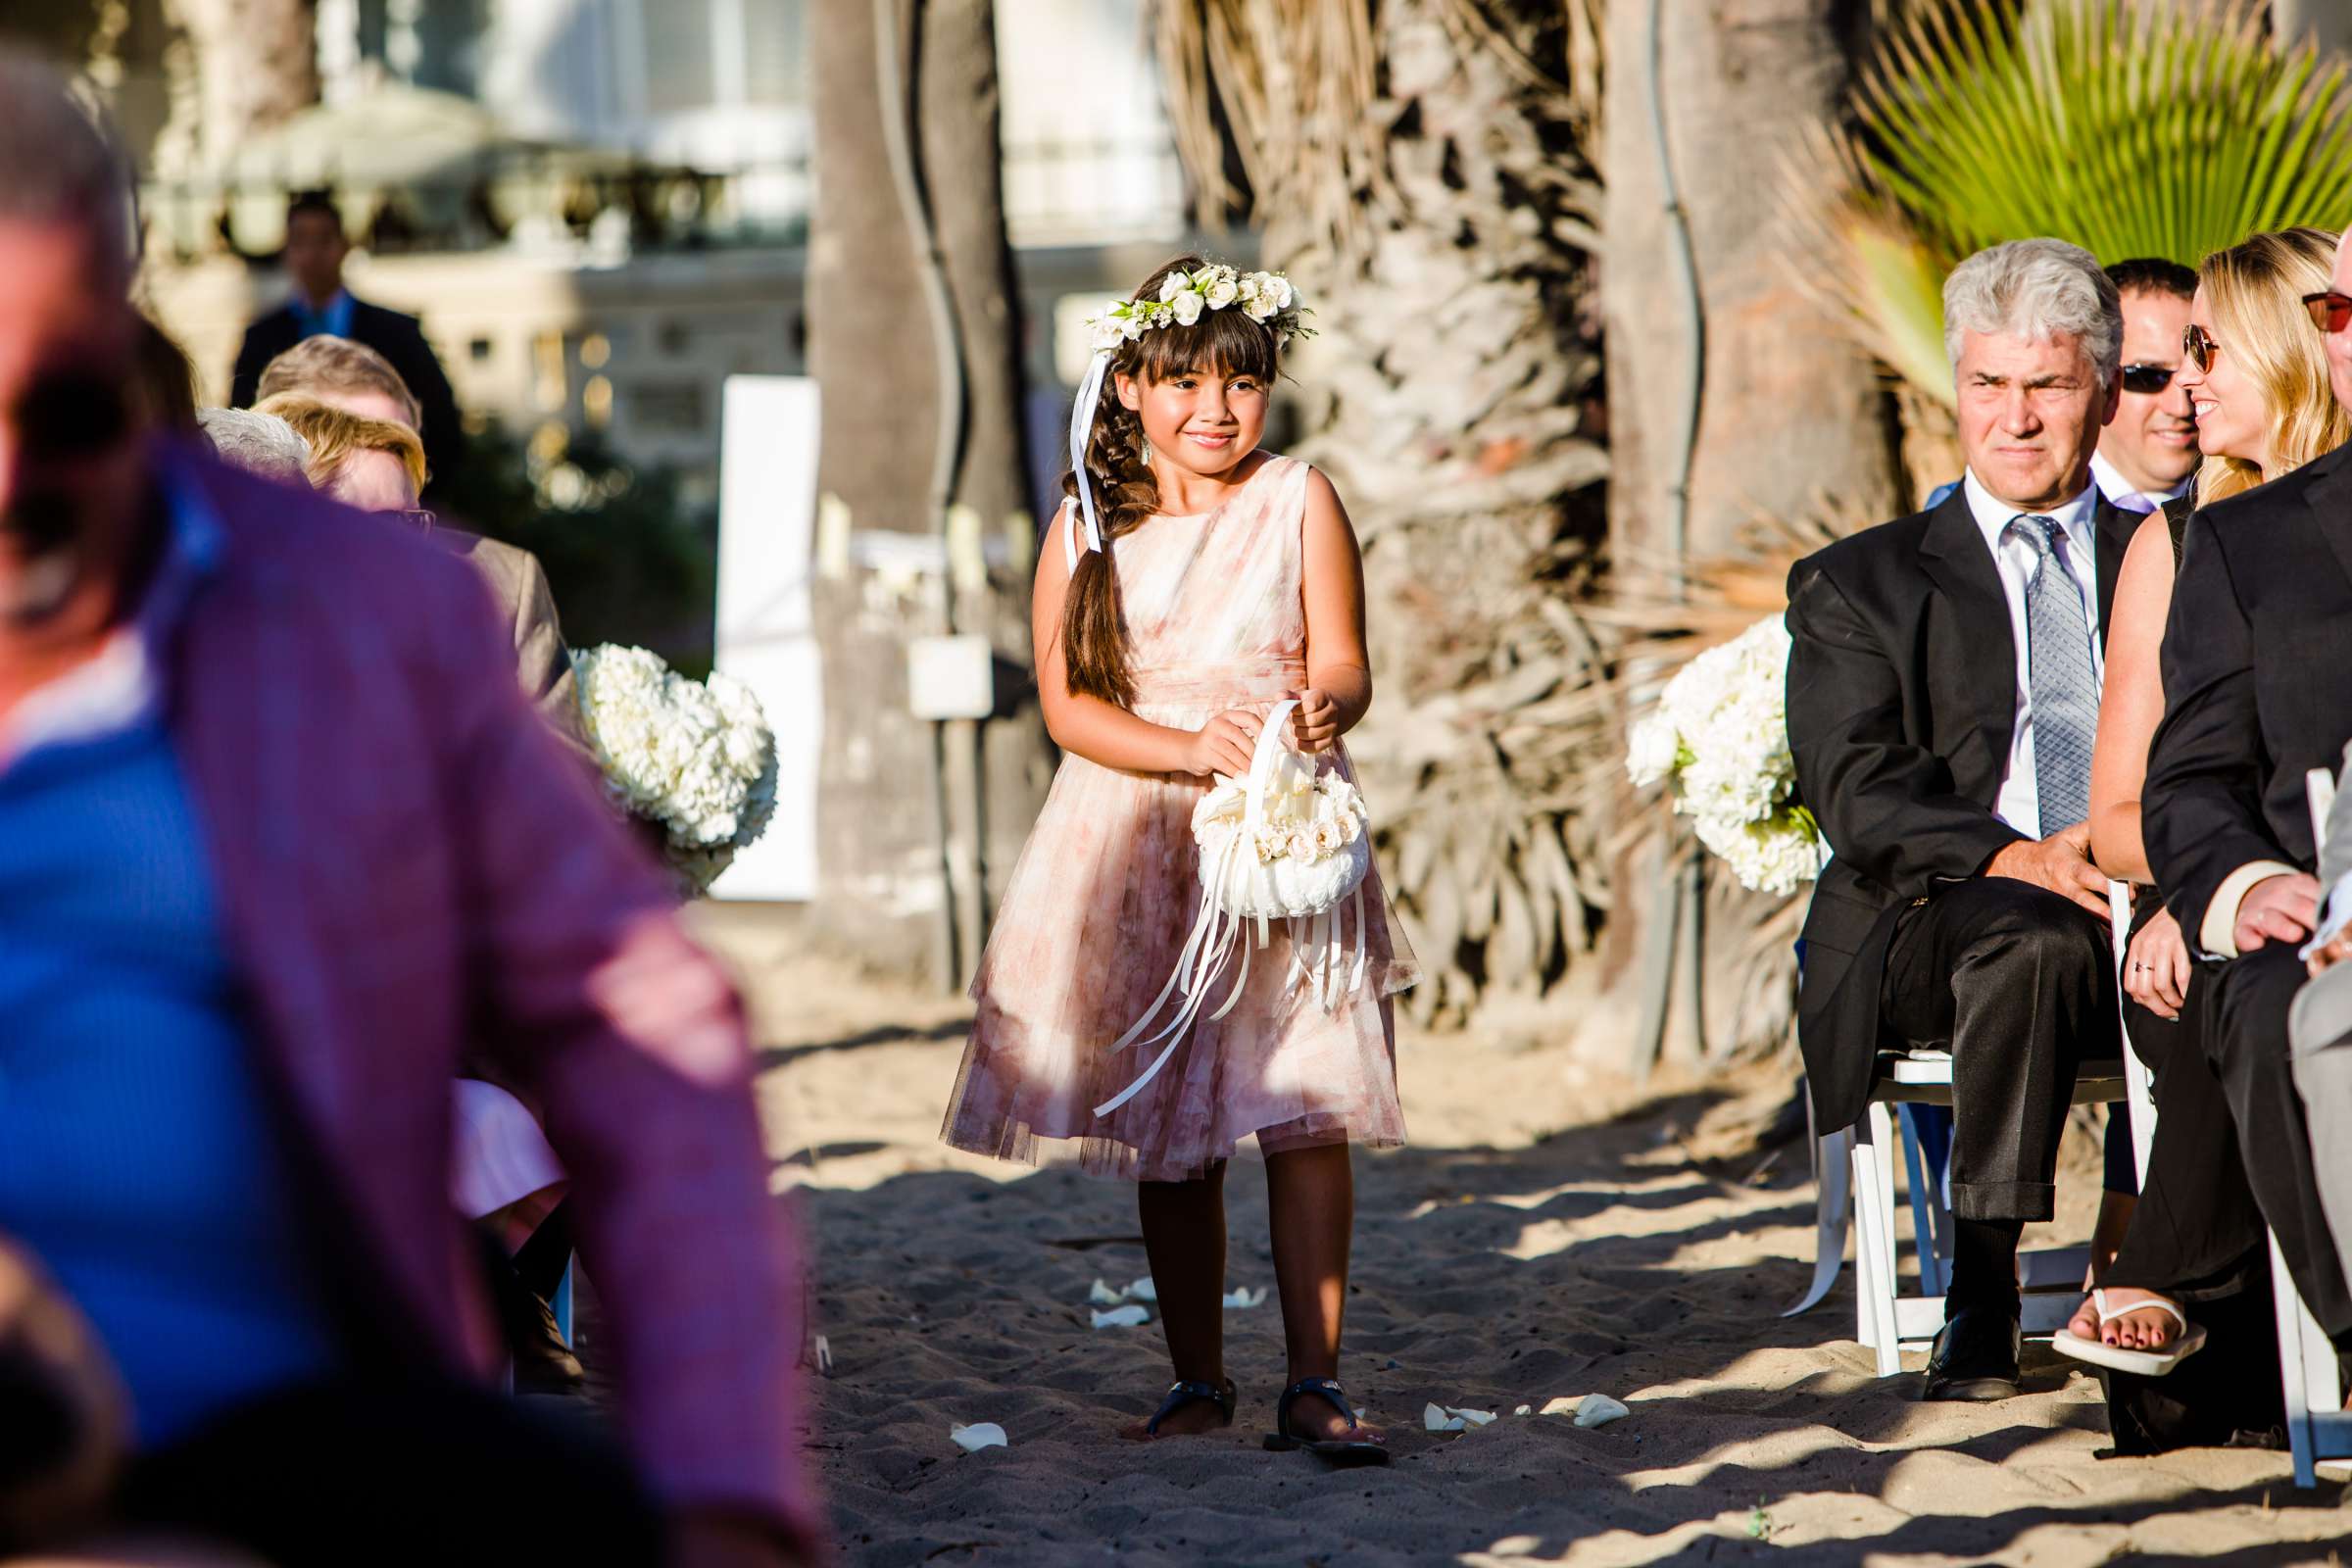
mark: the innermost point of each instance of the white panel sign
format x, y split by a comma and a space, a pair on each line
766, 631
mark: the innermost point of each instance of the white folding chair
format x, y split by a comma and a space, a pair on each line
2050, 1278
1855, 1176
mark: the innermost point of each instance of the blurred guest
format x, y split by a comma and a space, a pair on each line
315, 249
349, 375
372, 465
2259, 380
356, 379
2257, 670
507, 1176
1943, 697
167, 379
258, 443
277, 846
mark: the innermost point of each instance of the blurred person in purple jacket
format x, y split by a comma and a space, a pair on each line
279, 844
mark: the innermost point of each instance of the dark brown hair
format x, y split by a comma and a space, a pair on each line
1225, 342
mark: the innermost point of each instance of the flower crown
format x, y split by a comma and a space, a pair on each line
1264, 297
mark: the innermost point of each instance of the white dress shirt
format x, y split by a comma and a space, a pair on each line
2020, 801
2119, 491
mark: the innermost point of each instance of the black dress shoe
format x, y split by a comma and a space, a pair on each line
1976, 1355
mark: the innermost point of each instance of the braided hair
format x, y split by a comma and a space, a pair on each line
1227, 342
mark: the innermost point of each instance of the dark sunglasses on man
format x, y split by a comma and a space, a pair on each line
2148, 377
2331, 312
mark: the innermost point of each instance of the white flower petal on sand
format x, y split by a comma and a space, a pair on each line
1452, 1418
1103, 1296
1525, 1410
1123, 1317
1242, 1297
1599, 1410
1142, 1290
824, 1356
1559, 1406
981, 1435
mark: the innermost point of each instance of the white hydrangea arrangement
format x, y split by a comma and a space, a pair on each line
694, 760
1720, 733
1262, 297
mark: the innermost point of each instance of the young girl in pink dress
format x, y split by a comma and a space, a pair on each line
1191, 583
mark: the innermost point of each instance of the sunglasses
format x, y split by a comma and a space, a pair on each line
2148, 377
2331, 312
2200, 348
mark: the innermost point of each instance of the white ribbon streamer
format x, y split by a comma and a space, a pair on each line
1082, 426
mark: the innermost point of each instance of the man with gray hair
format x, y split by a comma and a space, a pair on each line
258, 443
1943, 688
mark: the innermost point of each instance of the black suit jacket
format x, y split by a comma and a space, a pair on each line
398, 339
1902, 700
2256, 681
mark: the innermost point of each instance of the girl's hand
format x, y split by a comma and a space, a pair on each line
1316, 723
2156, 967
1227, 744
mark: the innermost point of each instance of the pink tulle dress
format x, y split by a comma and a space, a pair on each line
1101, 901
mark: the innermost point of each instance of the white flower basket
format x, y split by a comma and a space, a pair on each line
1280, 845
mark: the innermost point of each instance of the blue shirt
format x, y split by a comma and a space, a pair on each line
139, 1159
333, 318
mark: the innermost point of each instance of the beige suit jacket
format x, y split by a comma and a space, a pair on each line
527, 607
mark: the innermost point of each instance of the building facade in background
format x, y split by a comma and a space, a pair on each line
599, 208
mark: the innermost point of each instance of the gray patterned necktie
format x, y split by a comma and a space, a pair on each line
2064, 685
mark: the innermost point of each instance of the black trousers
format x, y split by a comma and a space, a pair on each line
2246, 1043
2196, 1233
410, 1473
2014, 981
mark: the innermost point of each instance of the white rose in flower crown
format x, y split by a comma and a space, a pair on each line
1188, 307
1172, 285
1222, 292
1109, 334
1302, 845
1261, 308
1328, 838
1132, 325
1280, 288
1246, 286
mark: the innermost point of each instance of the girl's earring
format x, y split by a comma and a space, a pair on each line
1147, 454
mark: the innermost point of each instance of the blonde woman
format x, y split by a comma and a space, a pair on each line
2257, 377
373, 464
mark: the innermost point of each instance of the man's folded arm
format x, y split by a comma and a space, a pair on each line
1886, 805
2201, 806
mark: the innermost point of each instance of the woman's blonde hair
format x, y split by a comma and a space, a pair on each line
2254, 293
334, 435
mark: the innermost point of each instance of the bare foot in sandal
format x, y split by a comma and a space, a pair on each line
2151, 1327
1190, 1409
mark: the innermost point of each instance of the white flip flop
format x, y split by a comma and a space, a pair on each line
2124, 1358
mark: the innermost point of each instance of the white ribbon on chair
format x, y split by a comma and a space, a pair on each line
1318, 951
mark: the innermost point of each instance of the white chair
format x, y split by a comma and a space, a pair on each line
1855, 1174
2051, 1278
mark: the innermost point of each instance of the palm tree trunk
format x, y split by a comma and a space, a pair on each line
922, 414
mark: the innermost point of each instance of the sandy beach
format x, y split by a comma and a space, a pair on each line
1550, 1233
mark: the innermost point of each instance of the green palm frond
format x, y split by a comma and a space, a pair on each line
2132, 131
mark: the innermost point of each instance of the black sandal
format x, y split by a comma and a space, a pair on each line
1223, 1396
1335, 1450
